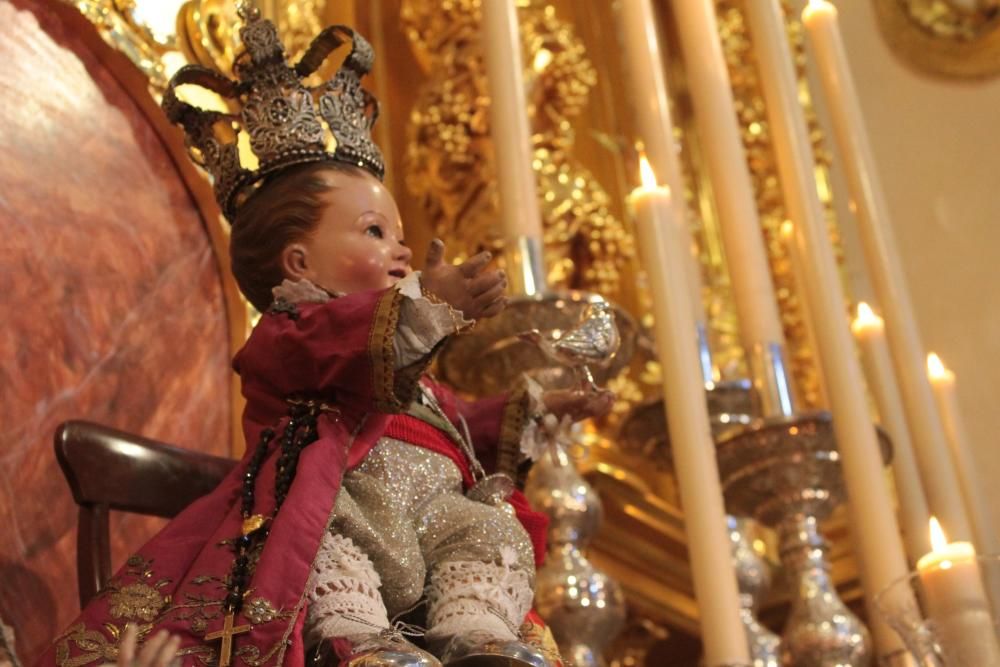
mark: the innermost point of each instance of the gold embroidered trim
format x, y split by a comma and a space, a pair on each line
540, 636
458, 321
286, 640
515, 418
381, 352
93, 644
137, 601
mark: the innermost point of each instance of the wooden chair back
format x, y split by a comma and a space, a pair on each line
111, 470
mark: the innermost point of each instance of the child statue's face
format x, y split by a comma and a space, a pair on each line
358, 243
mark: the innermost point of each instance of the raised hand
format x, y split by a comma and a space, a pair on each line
468, 287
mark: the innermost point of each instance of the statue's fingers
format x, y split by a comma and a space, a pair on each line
486, 281
601, 404
494, 308
435, 253
475, 264
488, 297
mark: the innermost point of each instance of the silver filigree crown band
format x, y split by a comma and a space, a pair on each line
286, 121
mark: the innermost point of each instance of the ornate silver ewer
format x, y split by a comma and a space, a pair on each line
583, 606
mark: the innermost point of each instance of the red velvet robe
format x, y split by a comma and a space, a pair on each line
341, 352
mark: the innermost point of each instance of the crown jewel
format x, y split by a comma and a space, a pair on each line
286, 121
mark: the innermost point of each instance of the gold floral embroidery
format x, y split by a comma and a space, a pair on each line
139, 600
136, 601
248, 653
197, 611
140, 603
93, 645
259, 610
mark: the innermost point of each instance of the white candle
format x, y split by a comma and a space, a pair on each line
873, 521
943, 384
930, 444
869, 331
511, 132
662, 250
647, 91
956, 603
715, 115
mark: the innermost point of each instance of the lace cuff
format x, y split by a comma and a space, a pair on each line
343, 590
465, 596
422, 324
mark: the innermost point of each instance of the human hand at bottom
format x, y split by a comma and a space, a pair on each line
159, 651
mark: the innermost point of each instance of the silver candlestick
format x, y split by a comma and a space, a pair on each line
785, 472
754, 578
584, 607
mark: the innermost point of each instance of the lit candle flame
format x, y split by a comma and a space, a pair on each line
646, 172
938, 540
936, 369
818, 8
866, 319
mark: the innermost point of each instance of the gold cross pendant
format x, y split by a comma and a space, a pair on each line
226, 634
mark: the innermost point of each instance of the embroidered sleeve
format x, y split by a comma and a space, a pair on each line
409, 328
521, 434
423, 323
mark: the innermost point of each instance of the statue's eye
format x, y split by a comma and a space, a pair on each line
375, 231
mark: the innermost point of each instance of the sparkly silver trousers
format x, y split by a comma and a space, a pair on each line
404, 509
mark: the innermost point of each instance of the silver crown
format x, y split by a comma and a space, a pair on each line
287, 122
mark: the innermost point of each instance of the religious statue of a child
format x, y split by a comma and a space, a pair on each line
368, 490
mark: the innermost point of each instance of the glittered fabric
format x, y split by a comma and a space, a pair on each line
404, 508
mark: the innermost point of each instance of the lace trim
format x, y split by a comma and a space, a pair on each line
300, 291
407, 331
424, 320
343, 588
463, 596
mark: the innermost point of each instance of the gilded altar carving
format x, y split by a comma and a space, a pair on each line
119, 29
449, 154
208, 30
942, 38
